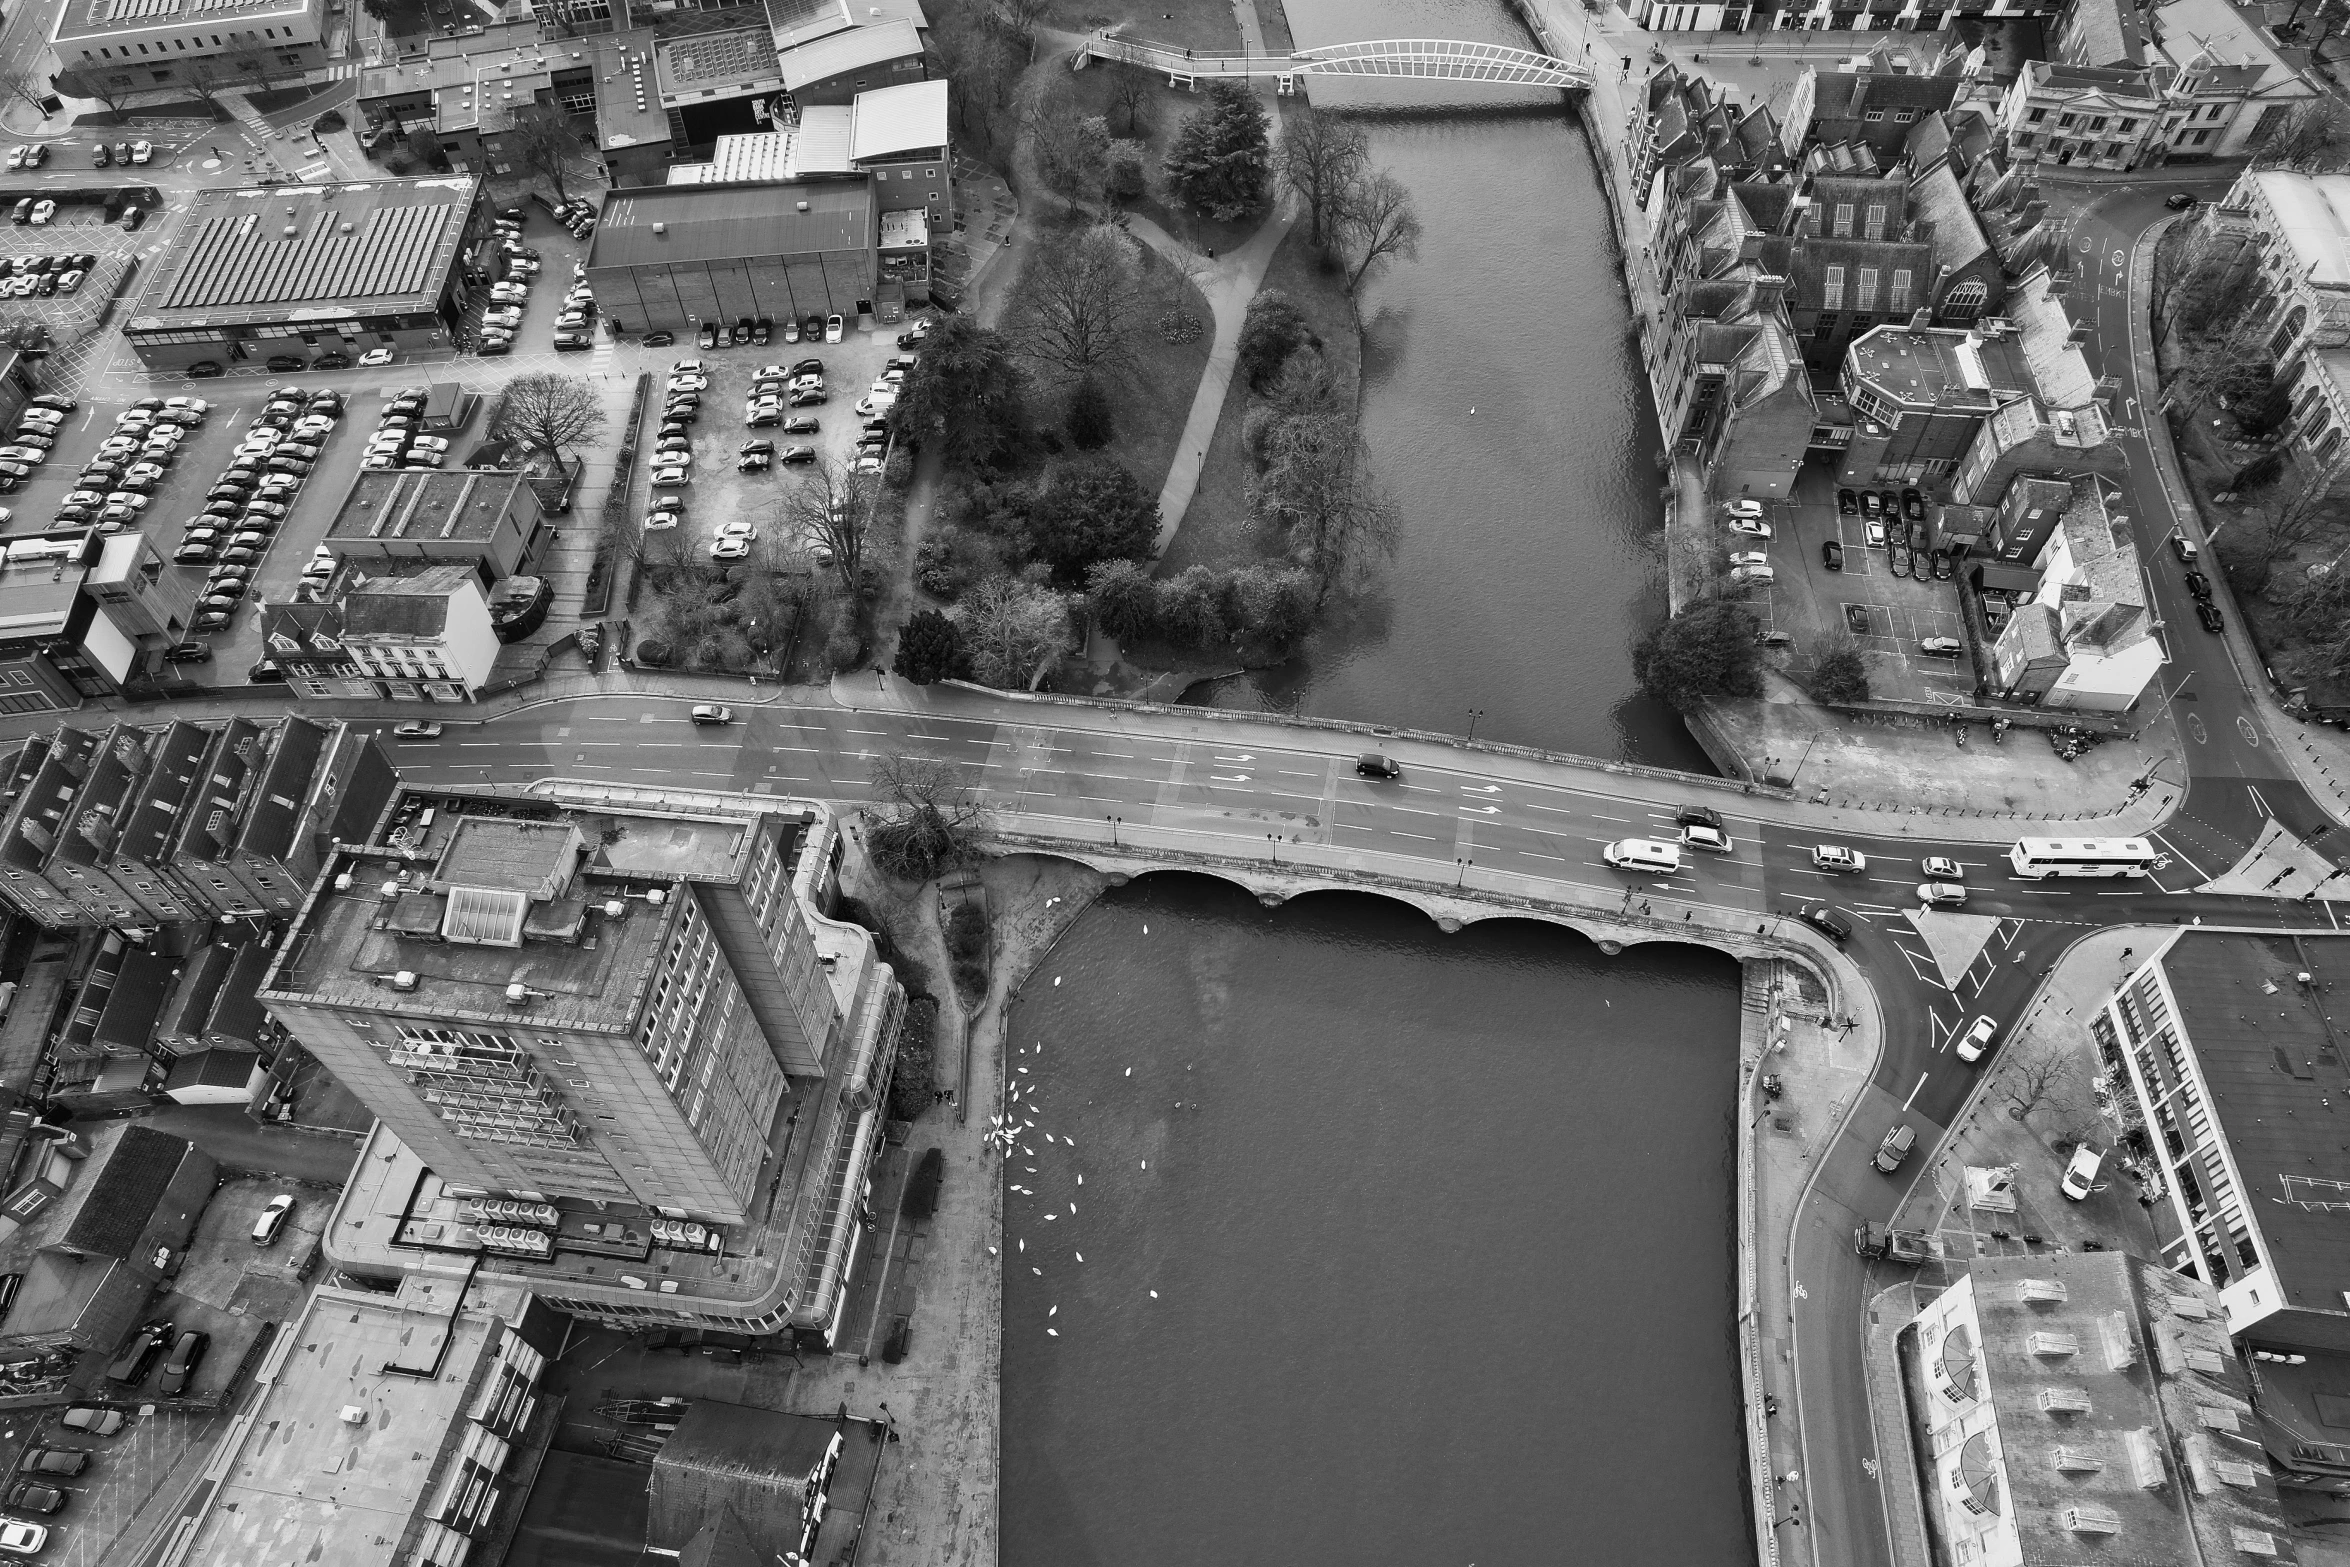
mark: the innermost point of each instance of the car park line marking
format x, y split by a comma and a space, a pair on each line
1423, 837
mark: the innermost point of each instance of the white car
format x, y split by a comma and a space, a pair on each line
422, 459
142, 151
377, 462
374, 357
1977, 1039
689, 383
1749, 527
2080, 1176
1941, 894
673, 475
19, 1538
737, 530
1697, 835
1938, 868
686, 367
1836, 857
661, 522
875, 403
507, 316
1750, 558
429, 443
131, 498
44, 211
1751, 509
730, 549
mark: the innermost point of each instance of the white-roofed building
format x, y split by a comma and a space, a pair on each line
835, 68
2291, 236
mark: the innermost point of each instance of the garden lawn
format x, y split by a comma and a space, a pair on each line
1151, 402
1202, 26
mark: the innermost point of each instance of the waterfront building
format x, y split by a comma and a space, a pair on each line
1683, 116
2232, 1074
2082, 1407
620, 1056
1875, 100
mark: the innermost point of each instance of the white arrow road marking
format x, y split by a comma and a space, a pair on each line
1480, 788
1231, 760
1234, 778
1482, 810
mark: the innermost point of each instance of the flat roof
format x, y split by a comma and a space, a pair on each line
904, 118
2267, 1048
718, 222
254, 254
702, 64
761, 156
98, 18
1938, 366
425, 506
305, 1483
859, 47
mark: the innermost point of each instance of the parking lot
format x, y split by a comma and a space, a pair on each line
1889, 615
126, 1472
719, 494
79, 228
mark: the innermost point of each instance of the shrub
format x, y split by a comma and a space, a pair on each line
1092, 510
930, 649
1842, 678
655, 653
971, 980
1273, 329
399, 163
1088, 422
920, 1200
966, 932
1706, 650
913, 1087
900, 470
844, 649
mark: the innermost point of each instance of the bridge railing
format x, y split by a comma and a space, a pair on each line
1103, 46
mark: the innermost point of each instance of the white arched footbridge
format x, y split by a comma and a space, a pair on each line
1408, 59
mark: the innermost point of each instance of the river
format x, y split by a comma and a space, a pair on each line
1367, 1243
1508, 417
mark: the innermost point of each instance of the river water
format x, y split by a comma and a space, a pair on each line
1508, 417
1396, 1247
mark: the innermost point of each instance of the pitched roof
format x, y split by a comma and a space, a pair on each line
2104, 32
729, 222
853, 50
1958, 237
416, 605
2060, 372
219, 1068
904, 118
116, 1200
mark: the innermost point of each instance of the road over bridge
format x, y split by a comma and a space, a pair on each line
1410, 59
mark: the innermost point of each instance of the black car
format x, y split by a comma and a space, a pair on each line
1832, 555
2208, 616
188, 653
2199, 584
1944, 569
1913, 506
812, 328
798, 454
808, 367
761, 331
180, 1369
130, 1367
33, 1497
491, 347
806, 424
2179, 202
1371, 764
1828, 923
658, 339
757, 448
1846, 503
281, 363
808, 399
205, 369
331, 361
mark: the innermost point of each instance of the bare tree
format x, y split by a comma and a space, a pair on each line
1315, 485
2310, 512
26, 87
1018, 18
1013, 630
548, 412
1378, 223
115, 90
929, 810
206, 82
1077, 302
1321, 158
2314, 137
544, 141
830, 511
2038, 1071
1072, 147
1131, 97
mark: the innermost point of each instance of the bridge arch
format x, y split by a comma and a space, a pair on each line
1418, 59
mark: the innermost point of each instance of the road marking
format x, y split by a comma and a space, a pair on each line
1913, 1093
1620, 821
1423, 837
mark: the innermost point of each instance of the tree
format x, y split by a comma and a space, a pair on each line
1321, 159
2288, 526
1317, 487
2313, 137
424, 145
930, 649
2206, 297
1018, 18
113, 89
1706, 650
207, 82
1273, 329
1841, 677
964, 392
1078, 302
2037, 1071
1072, 148
1377, 223
548, 413
1092, 510
832, 507
1124, 179
1088, 420
26, 87
1013, 629
1131, 93
1273, 604
1221, 161
928, 811
1122, 599
543, 140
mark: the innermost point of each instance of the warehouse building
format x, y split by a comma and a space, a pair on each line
670, 257
260, 272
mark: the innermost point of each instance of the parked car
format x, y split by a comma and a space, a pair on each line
374, 357
1743, 525
53, 1461
1941, 647
1831, 554
2207, 615
33, 1497
2080, 1176
1846, 503
95, 1421
2198, 584
180, 1369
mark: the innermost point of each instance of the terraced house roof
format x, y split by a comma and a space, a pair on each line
309, 252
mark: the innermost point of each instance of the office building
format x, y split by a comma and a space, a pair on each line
619, 1055
121, 49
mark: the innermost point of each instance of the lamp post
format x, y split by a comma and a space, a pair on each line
1114, 821
1464, 873
1274, 839
1475, 713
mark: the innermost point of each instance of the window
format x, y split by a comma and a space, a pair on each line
1965, 302
2126, 126
930, 174
1899, 303
2113, 149
2024, 139
1868, 289
906, 174
2036, 116
1833, 297
2097, 122
1874, 115
2199, 138
2065, 122
1843, 221
1873, 226
1904, 116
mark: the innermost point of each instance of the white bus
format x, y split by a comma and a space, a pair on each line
2039, 857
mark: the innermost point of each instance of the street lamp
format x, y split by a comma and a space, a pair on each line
1274, 839
1475, 713
1114, 821
1464, 873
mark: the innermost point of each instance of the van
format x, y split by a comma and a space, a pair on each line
1895, 1148
2080, 1176
1643, 856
